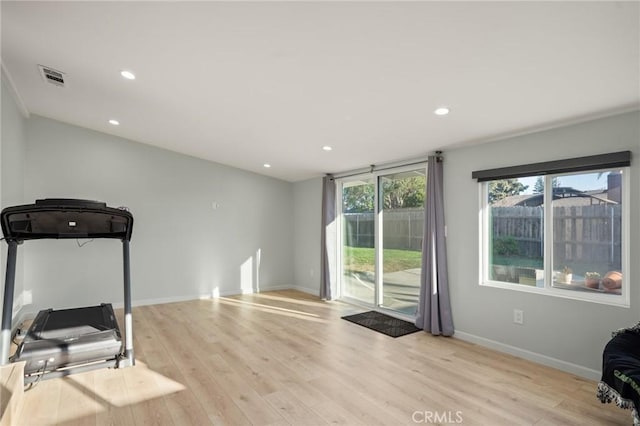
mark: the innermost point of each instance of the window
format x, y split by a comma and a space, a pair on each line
515, 234
562, 234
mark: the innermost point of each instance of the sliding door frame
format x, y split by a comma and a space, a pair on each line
340, 239
378, 236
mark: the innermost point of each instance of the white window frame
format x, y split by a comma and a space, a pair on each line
622, 300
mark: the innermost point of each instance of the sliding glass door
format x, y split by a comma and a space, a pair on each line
402, 210
382, 221
358, 240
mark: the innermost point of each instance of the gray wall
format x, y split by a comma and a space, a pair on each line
560, 332
12, 158
181, 247
307, 201
567, 330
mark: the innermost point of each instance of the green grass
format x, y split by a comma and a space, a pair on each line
360, 259
523, 262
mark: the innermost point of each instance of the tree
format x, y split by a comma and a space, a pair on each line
396, 193
403, 193
538, 188
357, 199
499, 189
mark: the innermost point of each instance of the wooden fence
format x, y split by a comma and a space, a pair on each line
580, 233
402, 229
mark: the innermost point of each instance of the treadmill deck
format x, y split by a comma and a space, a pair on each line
69, 337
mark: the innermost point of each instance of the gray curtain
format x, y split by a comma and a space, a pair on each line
434, 307
328, 237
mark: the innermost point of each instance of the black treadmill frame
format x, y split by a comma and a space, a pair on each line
21, 223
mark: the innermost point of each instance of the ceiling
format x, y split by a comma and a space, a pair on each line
245, 84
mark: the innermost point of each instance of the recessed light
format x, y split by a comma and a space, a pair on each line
327, 148
114, 122
128, 75
441, 111
266, 165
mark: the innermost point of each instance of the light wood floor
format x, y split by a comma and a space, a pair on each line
284, 357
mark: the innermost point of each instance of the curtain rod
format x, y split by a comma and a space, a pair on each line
382, 167
591, 162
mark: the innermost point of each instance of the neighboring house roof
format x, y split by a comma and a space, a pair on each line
562, 196
513, 200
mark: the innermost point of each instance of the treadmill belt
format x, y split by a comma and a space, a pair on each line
70, 337
66, 332
69, 322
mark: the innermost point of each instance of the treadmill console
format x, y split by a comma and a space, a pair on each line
65, 218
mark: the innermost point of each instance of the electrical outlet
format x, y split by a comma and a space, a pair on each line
518, 316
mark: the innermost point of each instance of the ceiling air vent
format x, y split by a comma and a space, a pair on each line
52, 76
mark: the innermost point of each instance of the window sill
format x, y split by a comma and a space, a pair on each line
617, 300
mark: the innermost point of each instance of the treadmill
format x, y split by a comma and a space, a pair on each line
66, 341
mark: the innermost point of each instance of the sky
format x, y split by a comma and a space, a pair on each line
581, 181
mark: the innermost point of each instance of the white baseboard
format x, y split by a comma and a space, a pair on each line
21, 316
163, 300
174, 299
569, 367
276, 288
308, 290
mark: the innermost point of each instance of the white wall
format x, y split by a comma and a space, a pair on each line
307, 199
569, 331
181, 247
12, 158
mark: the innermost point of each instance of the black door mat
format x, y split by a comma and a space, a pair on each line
382, 323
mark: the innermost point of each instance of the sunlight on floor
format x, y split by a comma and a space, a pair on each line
289, 299
84, 404
145, 384
94, 392
271, 309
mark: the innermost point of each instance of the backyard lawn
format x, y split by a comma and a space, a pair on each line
361, 259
